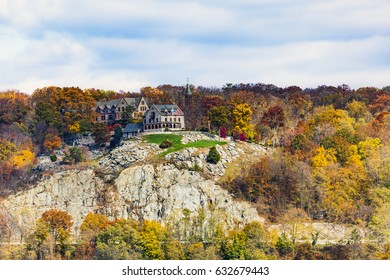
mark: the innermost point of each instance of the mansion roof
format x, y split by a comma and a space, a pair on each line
169, 110
115, 102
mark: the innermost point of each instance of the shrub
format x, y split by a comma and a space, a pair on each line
242, 136
73, 155
53, 158
213, 156
165, 144
196, 168
223, 132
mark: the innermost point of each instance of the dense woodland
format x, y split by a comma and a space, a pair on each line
331, 162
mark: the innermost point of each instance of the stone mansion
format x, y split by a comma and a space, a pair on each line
154, 117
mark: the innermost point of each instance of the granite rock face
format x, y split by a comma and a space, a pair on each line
141, 191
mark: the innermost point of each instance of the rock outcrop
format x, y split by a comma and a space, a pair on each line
141, 190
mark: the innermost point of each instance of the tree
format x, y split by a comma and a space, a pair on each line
241, 119
293, 224
274, 118
219, 116
380, 104
73, 155
234, 246
68, 109
301, 104
100, 133
153, 236
213, 156
380, 220
323, 157
52, 139
358, 110
93, 223
117, 137
127, 115
256, 243
120, 240
15, 107
53, 227
154, 94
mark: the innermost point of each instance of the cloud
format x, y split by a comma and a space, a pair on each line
126, 44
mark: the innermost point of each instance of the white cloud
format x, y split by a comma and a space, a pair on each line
125, 44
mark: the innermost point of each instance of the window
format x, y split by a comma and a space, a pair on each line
157, 120
103, 118
143, 102
170, 119
166, 119
174, 119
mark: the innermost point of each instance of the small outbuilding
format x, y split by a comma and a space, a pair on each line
132, 129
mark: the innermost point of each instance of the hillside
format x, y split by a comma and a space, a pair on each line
133, 181
311, 166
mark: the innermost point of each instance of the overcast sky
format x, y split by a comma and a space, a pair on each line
127, 44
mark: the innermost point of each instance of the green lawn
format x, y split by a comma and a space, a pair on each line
176, 142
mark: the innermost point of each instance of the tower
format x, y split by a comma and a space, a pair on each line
188, 89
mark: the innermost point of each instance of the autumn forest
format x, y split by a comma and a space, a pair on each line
330, 162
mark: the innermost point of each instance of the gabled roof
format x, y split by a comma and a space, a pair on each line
169, 109
132, 101
109, 104
132, 127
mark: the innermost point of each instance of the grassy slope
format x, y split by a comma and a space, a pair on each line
176, 142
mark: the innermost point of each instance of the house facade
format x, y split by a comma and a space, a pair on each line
163, 117
112, 110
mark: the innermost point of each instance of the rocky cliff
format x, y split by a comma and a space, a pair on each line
130, 182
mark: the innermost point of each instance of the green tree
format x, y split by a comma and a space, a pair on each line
117, 137
219, 116
73, 155
213, 156
127, 115
119, 241
284, 246
234, 246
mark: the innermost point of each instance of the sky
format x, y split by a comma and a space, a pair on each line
129, 44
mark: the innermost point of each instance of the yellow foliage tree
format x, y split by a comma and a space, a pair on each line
368, 147
337, 118
354, 159
74, 127
324, 157
242, 120
22, 159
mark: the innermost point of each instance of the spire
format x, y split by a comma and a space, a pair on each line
188, 89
